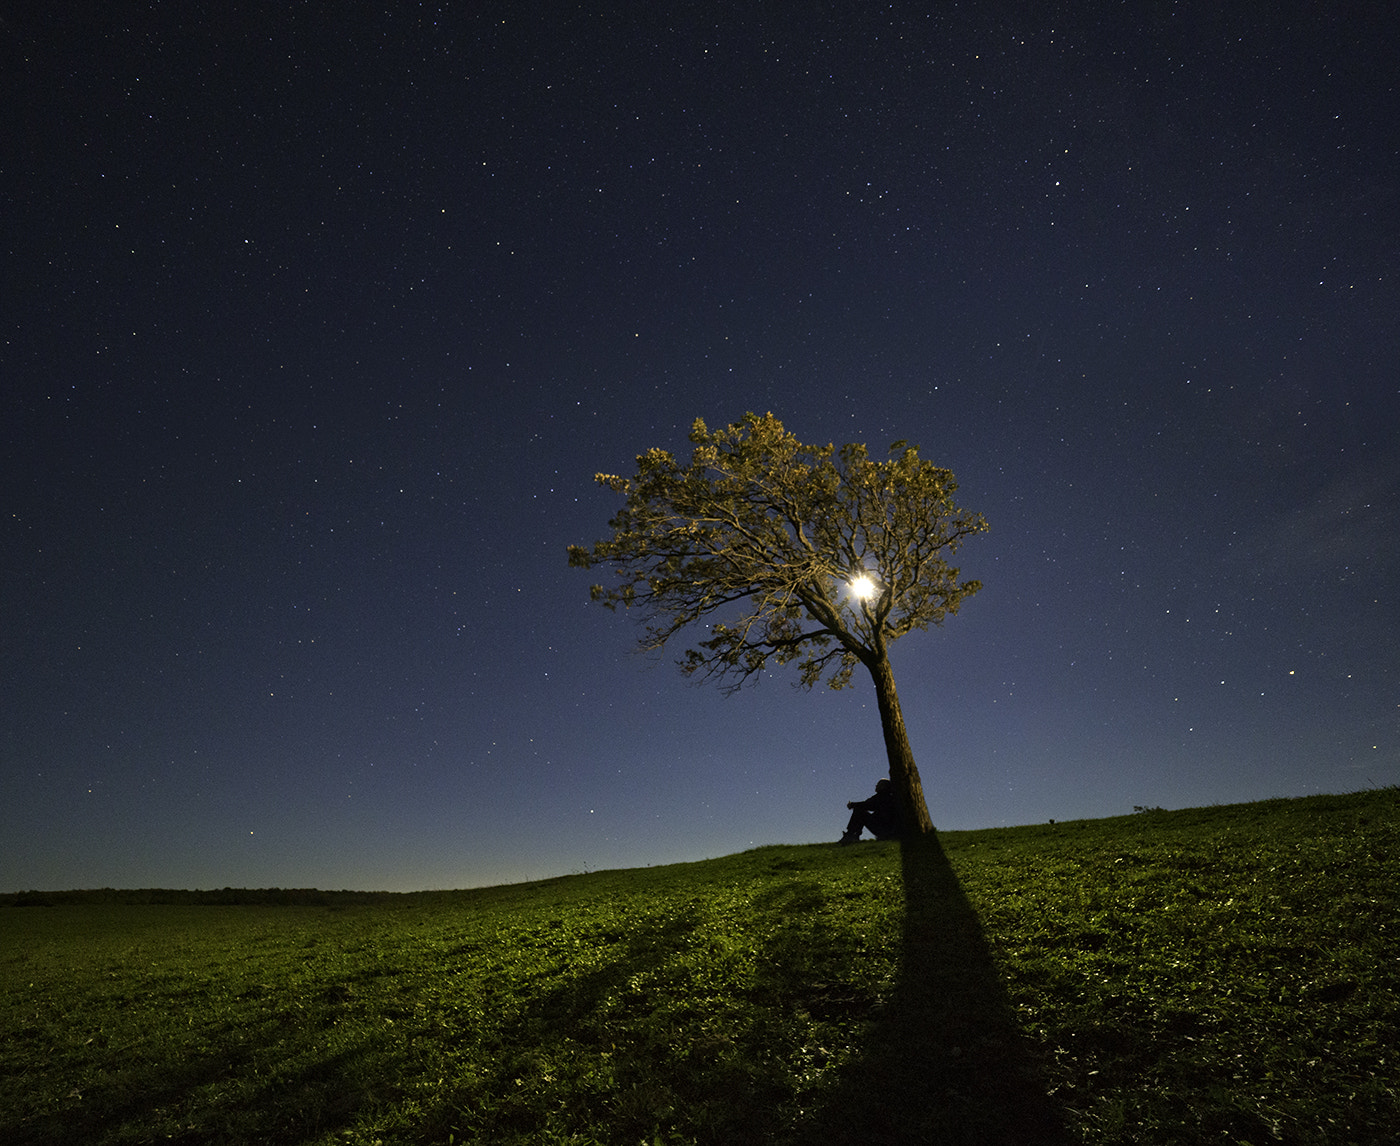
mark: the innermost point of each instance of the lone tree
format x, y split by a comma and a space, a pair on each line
789, 552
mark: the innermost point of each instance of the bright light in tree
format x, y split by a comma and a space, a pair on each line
863, 587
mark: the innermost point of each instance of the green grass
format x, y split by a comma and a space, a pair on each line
1221, 975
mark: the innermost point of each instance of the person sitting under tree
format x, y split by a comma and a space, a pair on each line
878, 813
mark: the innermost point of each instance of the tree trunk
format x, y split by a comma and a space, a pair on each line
904, 772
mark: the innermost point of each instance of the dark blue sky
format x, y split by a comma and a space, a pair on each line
316, 322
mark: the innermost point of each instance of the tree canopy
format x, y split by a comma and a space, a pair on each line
779, 551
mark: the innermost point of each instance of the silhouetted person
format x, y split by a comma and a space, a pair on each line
879, 813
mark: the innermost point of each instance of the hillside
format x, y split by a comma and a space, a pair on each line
1206, 975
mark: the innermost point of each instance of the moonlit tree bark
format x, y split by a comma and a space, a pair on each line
775, 551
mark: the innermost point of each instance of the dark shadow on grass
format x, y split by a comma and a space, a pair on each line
302, 1106
501, 1100
945, 1063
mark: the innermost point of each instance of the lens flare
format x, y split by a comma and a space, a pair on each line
863, 587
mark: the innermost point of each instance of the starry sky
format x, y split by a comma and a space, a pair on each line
317, 321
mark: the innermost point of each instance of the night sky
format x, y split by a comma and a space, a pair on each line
317, 321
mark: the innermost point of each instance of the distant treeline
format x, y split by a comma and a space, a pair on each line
225, 897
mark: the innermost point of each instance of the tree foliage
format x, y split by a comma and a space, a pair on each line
760, 538
778, 551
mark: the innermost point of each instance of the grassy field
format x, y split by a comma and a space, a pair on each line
1221, 975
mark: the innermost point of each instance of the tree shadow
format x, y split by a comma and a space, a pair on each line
945, 1062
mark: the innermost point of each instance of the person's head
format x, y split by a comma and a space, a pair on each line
883, 786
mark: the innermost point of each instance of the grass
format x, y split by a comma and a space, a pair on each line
1221, 975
